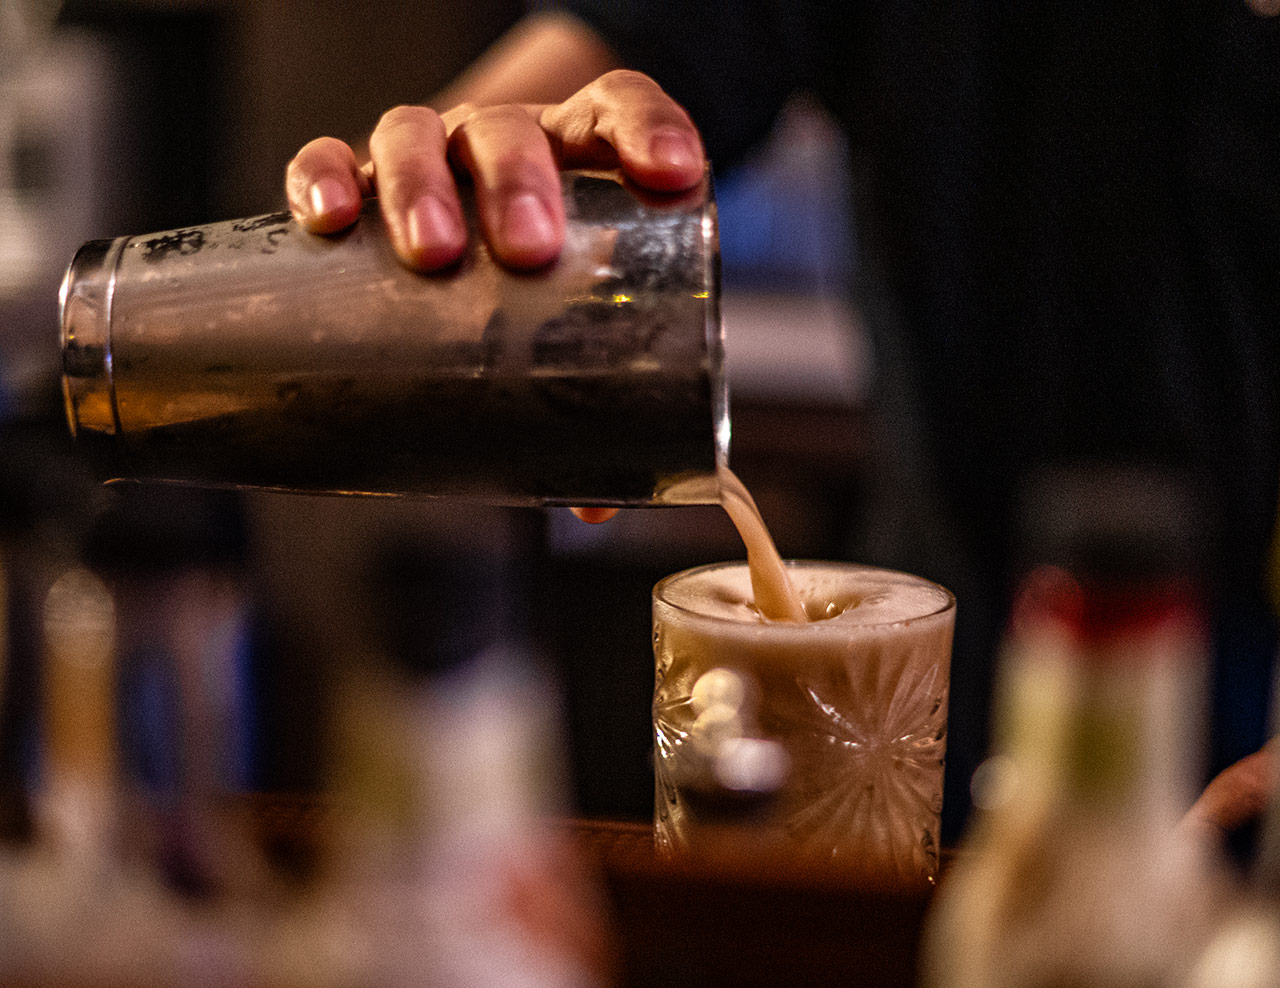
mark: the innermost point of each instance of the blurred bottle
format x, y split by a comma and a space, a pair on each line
62, 879
65, 904
47, 499
1075, 872
173, 559
75, 911
158, 721
452, 864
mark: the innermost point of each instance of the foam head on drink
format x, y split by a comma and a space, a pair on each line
825, 734
863, 596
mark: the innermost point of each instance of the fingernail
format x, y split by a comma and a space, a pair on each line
429, 223
327, 195
526, 222
674, 149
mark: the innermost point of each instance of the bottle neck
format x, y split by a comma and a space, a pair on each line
1102, 695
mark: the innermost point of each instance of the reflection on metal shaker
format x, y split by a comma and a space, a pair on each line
249, 353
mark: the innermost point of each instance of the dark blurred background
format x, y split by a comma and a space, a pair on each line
129, 116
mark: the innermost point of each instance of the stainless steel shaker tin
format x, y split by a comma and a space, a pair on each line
250, 353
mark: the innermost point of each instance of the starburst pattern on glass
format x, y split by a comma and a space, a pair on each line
827, 739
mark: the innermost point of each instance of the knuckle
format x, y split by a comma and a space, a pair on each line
627, 95
504, 140
502, 115
626, 79
457, 116
407, 115
626, 87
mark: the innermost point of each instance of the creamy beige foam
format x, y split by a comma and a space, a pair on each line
848, 594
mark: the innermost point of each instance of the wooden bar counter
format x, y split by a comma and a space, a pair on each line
718, 923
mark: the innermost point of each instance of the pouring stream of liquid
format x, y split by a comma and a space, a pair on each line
775, 598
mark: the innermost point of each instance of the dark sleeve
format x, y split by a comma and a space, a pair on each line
732, 65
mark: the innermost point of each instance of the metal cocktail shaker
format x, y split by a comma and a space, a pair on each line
250, 353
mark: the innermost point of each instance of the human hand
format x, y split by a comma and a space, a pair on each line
512, 153
1236, 796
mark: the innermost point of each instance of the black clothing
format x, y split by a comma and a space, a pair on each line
1069, 221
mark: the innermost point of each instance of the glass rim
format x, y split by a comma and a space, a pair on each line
949, 604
